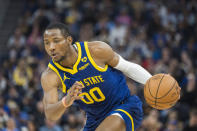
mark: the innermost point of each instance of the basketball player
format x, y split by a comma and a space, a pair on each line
90, 74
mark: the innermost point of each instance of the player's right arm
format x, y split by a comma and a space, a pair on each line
54, 108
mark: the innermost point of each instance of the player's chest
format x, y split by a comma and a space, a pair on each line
94, 86
88, 79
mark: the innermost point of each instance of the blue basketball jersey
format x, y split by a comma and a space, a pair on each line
104, 87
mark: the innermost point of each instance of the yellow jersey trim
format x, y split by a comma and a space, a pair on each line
128, 116
74, 70
92, 61
56, 71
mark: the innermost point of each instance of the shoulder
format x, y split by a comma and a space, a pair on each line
49, 79
98, 46
100, 50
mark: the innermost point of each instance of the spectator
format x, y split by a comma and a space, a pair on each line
192, 124
3, 82
172, 126
151, 122
17, 40
31, 126
3, 118
39, 114
10, 125
50, 126
22, 73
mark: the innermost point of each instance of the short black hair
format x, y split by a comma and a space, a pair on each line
62, 27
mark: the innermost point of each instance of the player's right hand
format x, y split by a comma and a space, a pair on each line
73, 94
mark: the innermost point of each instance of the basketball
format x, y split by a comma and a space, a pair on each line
161, 91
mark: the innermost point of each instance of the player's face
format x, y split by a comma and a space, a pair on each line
56, 45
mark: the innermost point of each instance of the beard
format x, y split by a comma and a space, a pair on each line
60, 59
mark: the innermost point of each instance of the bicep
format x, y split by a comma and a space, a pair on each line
49, 84
50, 96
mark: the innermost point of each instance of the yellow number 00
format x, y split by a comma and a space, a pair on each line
91, 92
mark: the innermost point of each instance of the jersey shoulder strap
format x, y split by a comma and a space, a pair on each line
84, 46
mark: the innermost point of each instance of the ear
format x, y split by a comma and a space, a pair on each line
69, 39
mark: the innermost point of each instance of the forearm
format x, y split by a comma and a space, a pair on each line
54, 111
133, 71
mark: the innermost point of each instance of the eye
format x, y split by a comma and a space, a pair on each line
56, 41
46, 43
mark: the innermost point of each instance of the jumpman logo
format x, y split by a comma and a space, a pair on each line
65, 77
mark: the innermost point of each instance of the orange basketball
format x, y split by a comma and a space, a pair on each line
161, 91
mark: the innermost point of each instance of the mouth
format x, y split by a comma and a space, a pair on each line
54, 55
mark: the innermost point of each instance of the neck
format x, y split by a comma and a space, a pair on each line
70, 58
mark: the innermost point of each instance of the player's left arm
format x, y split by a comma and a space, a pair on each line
104, 54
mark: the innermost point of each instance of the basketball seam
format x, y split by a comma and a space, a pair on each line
158, 106
158, 89
161, 107
161, 102
149, 88
168, 91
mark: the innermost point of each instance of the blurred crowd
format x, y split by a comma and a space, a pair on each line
160, 35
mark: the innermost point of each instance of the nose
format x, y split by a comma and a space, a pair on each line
52, 46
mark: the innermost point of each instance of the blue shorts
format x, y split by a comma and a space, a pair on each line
130, 110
